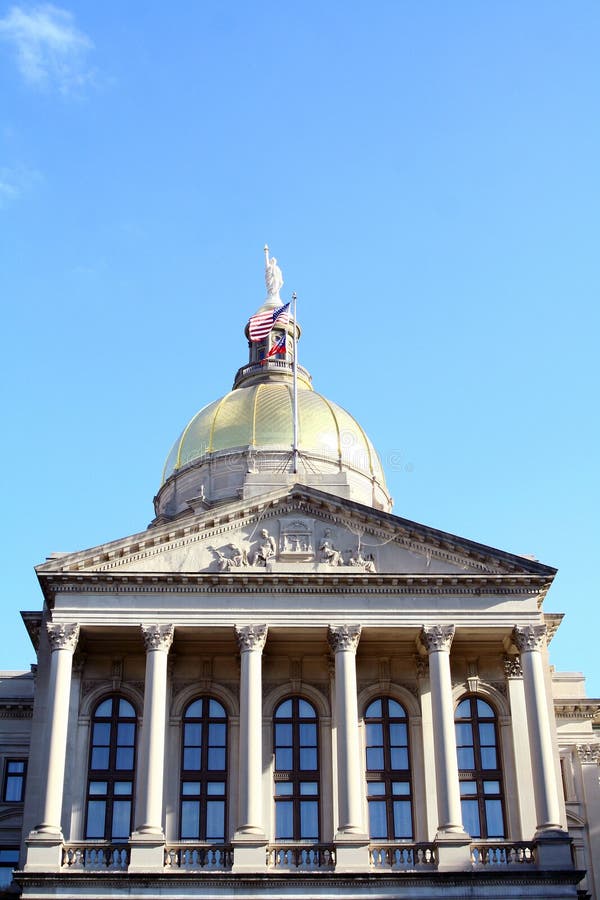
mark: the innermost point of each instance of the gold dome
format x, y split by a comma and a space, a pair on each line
260, 417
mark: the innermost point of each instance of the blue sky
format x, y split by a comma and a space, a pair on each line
427, 175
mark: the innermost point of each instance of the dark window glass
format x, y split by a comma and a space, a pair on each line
297, 791
14, 780
389, 792
109, 804
9, 860
480, 776
203, 772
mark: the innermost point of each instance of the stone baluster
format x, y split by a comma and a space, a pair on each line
250, 840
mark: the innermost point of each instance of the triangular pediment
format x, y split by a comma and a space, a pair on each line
296, 531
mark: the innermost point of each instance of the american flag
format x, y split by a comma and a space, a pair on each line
261, 323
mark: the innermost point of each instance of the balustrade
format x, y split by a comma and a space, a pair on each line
504, 853
95, 857
301, 857
191, 858
402, 856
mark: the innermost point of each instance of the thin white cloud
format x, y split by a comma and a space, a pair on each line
50, 50
15, 182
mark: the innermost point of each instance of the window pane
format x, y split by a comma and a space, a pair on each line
284, 828
488, 758
101, 734
470, 815
194, 710
374, 735
284, 710
98, 787
468, 788
95, 819
494, 819
126, 710
399, 758
398, 735
99, 758
308, 759
191, 758
122, 787
464, 734
283, 788
374, 759
216, 759
485, 710
190, 819
215, 820
217, 735
15, 765
124, 758
305, 710
190, 788
463, 710
216, 711
377, 819
374, 709
400, 788
283, 735
466, 758
309, 819
105, 709
13, 789
309, 787
375, 788
308, 735
396, 711
283, 760
487, 734
214, 788
491, 787
192, 734
126, 734
9, 855
402, 819
121, 818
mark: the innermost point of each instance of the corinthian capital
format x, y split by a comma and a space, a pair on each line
158, 637
512, 666
437, 637
589, 753
62, 637
344, 637
251, 637
529, 637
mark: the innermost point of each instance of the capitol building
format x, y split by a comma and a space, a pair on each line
281, 689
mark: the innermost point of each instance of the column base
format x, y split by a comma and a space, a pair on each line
249, 852
351, 852
147, 851
453, 851
44, 851
553, 849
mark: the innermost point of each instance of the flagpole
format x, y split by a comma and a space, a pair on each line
295, 391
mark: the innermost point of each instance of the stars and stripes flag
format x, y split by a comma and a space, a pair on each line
278, 347
262, 323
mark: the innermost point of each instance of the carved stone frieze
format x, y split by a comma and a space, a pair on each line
437, 637
251, 637
62, 637
589, 753
421, 666
529, 637
512, 666
158, 637
344, 637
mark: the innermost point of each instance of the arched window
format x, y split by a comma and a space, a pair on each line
203, 797
109, 803
389, 792
479, 768
297, 789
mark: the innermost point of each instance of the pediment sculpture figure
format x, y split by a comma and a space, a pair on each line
265, 550
328, 552
230, 557
365, 563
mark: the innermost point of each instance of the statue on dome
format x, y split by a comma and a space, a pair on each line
273, 276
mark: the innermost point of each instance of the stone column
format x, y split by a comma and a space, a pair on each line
521, 778
147, 841
351, 838
44, 843
250, 840
453, 841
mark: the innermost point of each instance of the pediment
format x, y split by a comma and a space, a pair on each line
297, 531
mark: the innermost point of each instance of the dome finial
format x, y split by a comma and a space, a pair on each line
273, 276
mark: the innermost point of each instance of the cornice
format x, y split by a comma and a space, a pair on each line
581, 708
